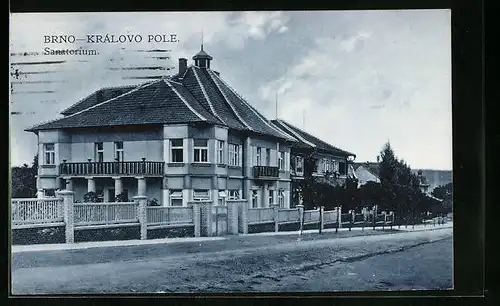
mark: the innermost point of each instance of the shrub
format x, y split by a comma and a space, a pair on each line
122, 197
153, 202
90, 197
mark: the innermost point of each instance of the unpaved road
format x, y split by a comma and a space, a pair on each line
396, 261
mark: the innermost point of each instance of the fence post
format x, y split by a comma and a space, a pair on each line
232, 217
142, 215
276, 213
340, 217
206, 218
69, 215
350, 219
301, 216
385, 220
374, 218
392, 218
321, 219
196, 218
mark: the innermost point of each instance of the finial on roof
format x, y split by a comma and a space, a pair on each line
201, 39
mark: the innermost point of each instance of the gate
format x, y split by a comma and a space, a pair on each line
219, 220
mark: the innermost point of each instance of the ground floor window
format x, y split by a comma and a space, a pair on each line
175, 197
281, 198
201, 194
222, 198
255, 198
271, 197
234, 194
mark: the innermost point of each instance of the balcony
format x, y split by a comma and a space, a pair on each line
266, 172
113, 168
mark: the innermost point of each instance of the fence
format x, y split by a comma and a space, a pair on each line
163, 217
96, 214
36, 212
260, 215
233, 218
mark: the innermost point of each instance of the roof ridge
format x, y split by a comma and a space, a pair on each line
295, 133
205, 95
93, 106
337, 148
184, 100
93, 93
278, 128
263, 119
210, 73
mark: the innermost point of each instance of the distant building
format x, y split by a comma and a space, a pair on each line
366, 172
436, 178
331, 163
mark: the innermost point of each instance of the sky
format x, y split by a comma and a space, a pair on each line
355, 79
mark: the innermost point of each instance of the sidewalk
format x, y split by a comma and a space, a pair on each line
277, 237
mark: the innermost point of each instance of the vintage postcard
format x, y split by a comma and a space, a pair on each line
230, 152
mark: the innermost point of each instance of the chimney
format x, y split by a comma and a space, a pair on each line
216, 72
182, 66
378, 158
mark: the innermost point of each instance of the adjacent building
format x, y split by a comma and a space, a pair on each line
331, 163
366, 172
177, 139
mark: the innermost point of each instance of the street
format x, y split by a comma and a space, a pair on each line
288, 263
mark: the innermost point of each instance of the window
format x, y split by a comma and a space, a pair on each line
268, 157
111, 195
119, 150
222, 197
176, 150
220, 151
49, 193
271, 197
255, 198
281, 198
200, 151
299, 164
234, 155
175, 197
201, 195
258, 156
342, 168
281, 160
326, 165
49, 153
99, 152
234, 195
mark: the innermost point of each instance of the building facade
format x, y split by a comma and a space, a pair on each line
177, 139
331, 164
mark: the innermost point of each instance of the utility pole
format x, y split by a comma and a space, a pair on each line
303, 118
276, 102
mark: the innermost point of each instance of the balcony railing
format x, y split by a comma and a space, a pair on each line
265, 172
112, 168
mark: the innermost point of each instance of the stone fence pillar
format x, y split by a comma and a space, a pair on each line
301, 215
69, 215
206, 211
232, 216
275, 208
142, 215
339, 216
243, 216
196, 217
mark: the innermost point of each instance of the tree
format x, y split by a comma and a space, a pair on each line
443, 192
24, 180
